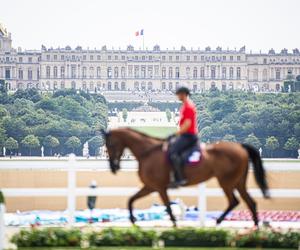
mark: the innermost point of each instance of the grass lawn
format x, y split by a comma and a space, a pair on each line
161, 132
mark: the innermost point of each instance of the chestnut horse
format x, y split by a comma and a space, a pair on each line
227, 161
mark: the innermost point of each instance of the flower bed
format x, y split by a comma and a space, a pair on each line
182, 237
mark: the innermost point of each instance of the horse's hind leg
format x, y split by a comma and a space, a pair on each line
143, 192
165, 198
233, 202
249, 201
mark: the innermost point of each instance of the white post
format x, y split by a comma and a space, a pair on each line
2, 225
202, 203
71, 189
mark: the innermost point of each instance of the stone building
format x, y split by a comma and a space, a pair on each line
150, 69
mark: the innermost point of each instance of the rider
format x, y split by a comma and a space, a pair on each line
186, 136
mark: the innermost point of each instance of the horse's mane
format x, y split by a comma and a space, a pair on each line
145, 135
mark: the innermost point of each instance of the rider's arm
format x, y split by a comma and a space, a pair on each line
184, 127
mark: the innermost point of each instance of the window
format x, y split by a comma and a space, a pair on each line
109, 72
170, 58
109, 58
195, 58
163, 85
84, 57
83, 72
177, 58
231, 73
188, 58
116, 86
136, 86
73, 85
143, 58
98, 72
277, 74
150, 58
202, 72
48, 57
20, 74
170, 85
238, 73
213, 58
224, 58
116, 72
62, 85
55, 72
136, 71
231, 58
213, 72
163, 72
150, 86
29, 74
188, 71
223, 73
265, 75
194, 87
238, 58
195, 73
130, 70
116, 58
98, 57
48, 72
123, 86
55, 57
170, 72
265, 60
156, 70
20, 59
143, 86
163, 58
143, 71
177, 72
62, 72
92, 72
123, 57
73, 71
202, 58
30, 59
73, 57
255, 74
150, 71
84, 85
123, 74
92, 86
62, 57
109, 85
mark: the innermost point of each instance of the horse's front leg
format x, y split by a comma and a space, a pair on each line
143, 192
165, 198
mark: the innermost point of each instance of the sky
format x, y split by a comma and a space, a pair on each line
257, 24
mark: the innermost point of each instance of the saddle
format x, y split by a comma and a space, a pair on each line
189, 157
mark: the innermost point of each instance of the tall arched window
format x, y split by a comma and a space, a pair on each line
143, 71
62, 85
170, 72
265, 75
20, 75
277, 74
177, 72
48, 72
91, 72
231, 73
136, 85
202, 72
116, 86
98, 72
224, 73
55, 72
255, 75
195, 73
84, 85
109, 85
170, 85
73, 85
163, 72
29, 74
83, 72
123, 86
62, 72
109, 73
213, 72
92, 87
163, 85
188, 72
150, 86
238, 73
123, 75
116, 72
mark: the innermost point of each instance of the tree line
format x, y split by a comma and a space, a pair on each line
60, 121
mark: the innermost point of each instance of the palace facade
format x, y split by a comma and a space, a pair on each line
111, 70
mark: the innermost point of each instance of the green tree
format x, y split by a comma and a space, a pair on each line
11, 144
51, 142
124, 114
291, 145
229, 137
272, 144
95, 143
169, 115
30, 142
253, 140
73, 143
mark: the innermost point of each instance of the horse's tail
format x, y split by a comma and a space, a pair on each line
259, 171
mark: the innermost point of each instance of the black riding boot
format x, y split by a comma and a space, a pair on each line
178, 171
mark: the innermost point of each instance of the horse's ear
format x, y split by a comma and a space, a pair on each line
104, 133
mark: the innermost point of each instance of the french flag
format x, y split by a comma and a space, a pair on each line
139, 33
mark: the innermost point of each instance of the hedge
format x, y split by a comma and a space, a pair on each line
183, 237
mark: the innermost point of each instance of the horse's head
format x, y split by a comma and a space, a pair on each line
115, 149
